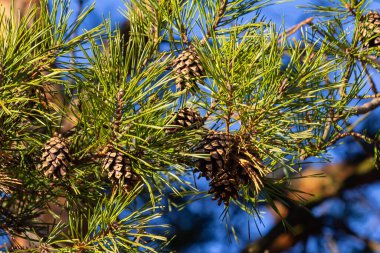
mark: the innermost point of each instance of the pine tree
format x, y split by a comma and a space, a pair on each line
97, 128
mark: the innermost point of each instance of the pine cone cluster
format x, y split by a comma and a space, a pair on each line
226, 167
55, 157
119, 168
188, 69
186, 118
369, 29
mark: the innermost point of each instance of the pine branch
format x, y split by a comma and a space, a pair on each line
217, 18
294, 29
366, 107
353, 134
7, 183
369, 77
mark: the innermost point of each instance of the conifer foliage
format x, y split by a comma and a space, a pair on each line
98, 130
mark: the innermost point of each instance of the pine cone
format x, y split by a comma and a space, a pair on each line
186, 118
188, 69
227, 166
118, 166
55, 157
369, 29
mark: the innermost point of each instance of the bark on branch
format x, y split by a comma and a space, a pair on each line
367, 107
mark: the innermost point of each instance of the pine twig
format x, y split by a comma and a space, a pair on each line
350, 9
353, 134
229, 106
294, 29
372, 60
217, 19
367, 107
284, 85
369, 77
7, 183
377, 95
209, 112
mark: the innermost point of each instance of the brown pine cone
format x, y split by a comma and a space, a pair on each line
55, 157
187, 69
119, 168
228, 166
186, 118
369, 29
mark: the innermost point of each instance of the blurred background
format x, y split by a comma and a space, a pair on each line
343, 204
